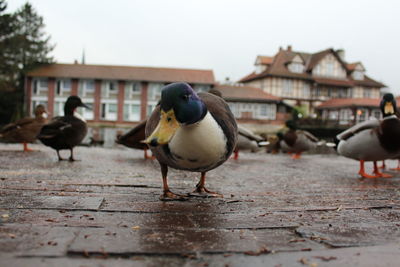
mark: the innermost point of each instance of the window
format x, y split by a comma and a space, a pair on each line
330, 69
150, 108
131, 112
267, 111
40, 86
358, 75
63, 86
59, 108
155, 90
306, 90
367, 93
296, 67
333, 115
287, 87
86, 87
109, 111
346, 115
201, 88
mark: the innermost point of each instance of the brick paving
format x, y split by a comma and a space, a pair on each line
105, 211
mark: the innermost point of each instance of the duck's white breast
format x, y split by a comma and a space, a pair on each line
199, 145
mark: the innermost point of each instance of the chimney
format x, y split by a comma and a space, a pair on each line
280, 48
341, 54
75, 61
289, 48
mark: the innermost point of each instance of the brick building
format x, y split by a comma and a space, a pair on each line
118, 95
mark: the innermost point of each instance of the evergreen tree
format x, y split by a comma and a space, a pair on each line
24, 45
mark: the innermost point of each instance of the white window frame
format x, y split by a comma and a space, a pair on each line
37, 84
87, 114
60, 85
270, 111
105, 108
287, 87
131, 116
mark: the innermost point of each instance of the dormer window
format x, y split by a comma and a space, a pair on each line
296, 67
260, 68
358, 75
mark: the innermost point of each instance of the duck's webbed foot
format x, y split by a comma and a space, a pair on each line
201, 191
169, 196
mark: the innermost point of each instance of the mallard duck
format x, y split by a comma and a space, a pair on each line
373, 140
134, 138
25, 130
65, 132
247, 141
189, 131
296, 141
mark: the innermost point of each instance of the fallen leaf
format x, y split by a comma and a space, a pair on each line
263, 250
324, 258
5, 216
137, 227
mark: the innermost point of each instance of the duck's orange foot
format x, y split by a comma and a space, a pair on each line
27, 149
395, 169
366, 175
383, 175
201, 191
169, 196
296, 156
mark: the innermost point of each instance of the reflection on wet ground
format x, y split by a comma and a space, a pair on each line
105, 210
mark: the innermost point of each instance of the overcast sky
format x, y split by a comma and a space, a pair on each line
222, 35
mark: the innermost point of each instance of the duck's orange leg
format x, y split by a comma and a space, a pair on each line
26, 148
363, 173
380, 174
383, 166
296, 155
236, 154
201, 190
398, 166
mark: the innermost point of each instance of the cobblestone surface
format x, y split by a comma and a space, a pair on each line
105, 211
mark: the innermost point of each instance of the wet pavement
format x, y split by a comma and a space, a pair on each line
105, 211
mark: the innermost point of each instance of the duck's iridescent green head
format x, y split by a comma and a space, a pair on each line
388, 105
179, 105
183, 100
291, 124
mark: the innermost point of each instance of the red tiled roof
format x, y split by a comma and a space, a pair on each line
350, 102
124, 73
247, 93
351, 66
265, 60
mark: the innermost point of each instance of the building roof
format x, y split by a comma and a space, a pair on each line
265, 60
108, 72
349, 102
245, 93
279, 68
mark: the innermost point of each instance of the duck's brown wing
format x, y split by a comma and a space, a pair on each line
134, 137
369, 124
16, 125
310, 136
222, 114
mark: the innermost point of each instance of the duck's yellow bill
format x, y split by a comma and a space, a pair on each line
389, 109
165, 129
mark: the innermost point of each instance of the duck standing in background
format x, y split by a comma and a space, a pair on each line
247, 141
189, 131
296, 141
134, 138
25, 130
373, 140
65, 132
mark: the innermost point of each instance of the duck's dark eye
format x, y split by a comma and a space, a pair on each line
185, 97
169, 119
